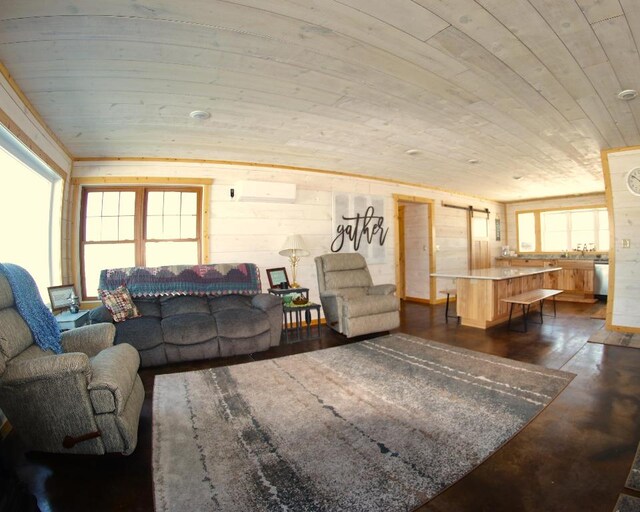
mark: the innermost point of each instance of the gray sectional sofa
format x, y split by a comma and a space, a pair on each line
204, 317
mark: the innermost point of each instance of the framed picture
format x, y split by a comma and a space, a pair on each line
278, 277
59, 296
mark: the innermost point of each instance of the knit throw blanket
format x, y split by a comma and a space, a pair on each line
219, 279
37, 316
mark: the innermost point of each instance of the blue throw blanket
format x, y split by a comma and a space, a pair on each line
37, 316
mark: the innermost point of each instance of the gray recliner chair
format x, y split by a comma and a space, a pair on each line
86, 400
352, 304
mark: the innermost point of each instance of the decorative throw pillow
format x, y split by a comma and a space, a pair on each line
119, 303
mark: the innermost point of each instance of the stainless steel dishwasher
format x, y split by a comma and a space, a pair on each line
601, 277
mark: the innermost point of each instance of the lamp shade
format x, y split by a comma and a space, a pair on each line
294, 245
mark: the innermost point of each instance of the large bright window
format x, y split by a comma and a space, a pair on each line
526, 232
30, 199
563, 230
138, 226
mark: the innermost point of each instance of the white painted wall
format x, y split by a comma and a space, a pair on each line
625, 313
416, 250
255, 232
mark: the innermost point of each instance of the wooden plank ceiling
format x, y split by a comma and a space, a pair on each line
522, 88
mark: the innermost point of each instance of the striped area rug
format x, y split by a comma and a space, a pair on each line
379, 425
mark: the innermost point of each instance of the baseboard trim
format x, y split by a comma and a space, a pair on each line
313, 322
443, 301
419, 300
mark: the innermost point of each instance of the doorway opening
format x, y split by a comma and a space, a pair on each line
415, 256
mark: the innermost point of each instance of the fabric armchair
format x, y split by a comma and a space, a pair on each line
89, 339
85, 400
352, 304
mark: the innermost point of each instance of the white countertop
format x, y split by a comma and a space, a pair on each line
495, 273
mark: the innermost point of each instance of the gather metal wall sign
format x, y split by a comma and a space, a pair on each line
359, 226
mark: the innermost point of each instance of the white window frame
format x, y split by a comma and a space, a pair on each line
15, 147
571, 245
140, 238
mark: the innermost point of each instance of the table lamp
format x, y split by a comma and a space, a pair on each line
294, 249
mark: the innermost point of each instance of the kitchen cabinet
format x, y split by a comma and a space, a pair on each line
575, 276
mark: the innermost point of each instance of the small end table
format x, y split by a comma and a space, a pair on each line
286, 291
293, 321
67, 320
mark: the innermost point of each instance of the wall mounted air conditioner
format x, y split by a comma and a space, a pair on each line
266, 191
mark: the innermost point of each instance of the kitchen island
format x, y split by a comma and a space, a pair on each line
479, 292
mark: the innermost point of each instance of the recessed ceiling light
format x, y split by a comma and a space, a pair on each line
627, 94
517, 177
473, 161
200, 115
412, 152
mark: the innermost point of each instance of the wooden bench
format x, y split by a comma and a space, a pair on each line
531, 297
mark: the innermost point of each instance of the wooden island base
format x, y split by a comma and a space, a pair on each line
479, 300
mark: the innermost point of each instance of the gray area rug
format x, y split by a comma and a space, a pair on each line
620, 339
633, 480
627, 503
379, 425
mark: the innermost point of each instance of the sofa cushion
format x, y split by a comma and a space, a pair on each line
172, 306
266, 302
229, 302
237, 346
241, 323
189, 328
196, 352
143, 333
119, 303
371, 305
148, 307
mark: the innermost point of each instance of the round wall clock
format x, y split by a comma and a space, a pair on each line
633, 181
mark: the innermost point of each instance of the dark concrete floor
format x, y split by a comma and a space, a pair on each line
575, 455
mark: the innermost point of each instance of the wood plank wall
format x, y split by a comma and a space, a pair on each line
623, 313
255, 232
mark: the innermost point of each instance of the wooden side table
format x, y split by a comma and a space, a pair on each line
69, 320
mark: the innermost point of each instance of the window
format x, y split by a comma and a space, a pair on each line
30, 206
526, 232
138, 226
563, 230
553, 231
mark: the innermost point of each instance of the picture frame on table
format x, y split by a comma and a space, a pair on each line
278, 278
60, 296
